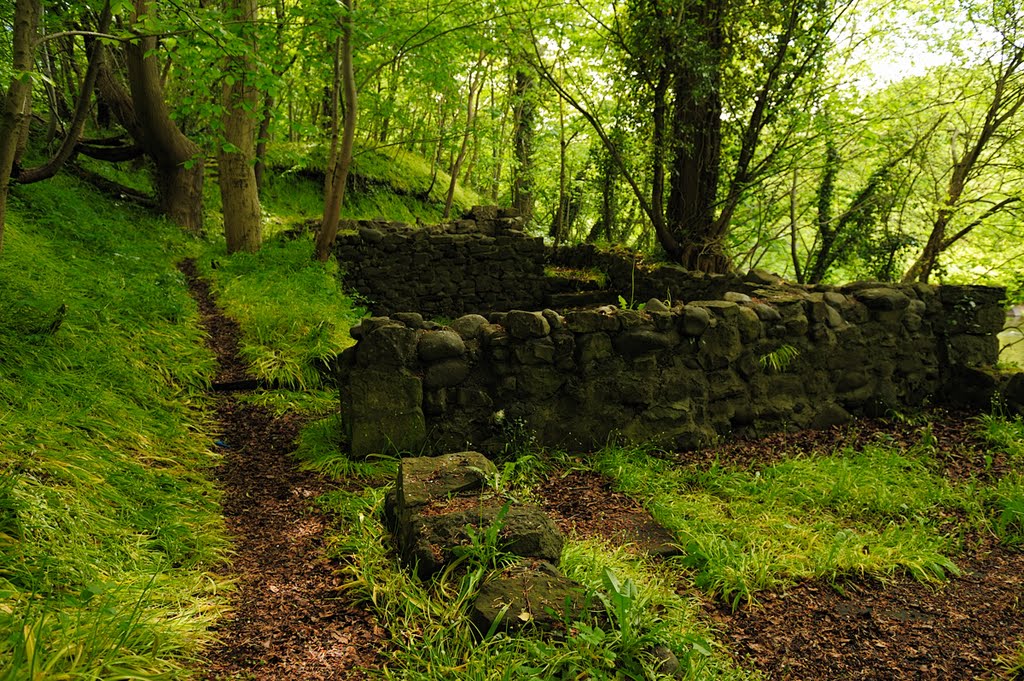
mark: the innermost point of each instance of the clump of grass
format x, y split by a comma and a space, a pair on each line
293, 314
320, 449
872, 512
390, 183
109, 530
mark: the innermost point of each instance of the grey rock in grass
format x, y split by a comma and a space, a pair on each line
528, 596
431, 541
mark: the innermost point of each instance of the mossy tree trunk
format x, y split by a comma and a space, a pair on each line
239, 191
17, 103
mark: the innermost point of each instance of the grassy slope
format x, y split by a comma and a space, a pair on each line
108, 526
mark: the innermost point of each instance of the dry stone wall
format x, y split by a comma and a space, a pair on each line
481, 263
761, 356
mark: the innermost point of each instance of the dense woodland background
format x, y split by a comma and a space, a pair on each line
824, 139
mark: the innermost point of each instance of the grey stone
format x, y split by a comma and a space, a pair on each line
469, 326
630, 319
593, 347
391, 345
766, 313
525, 531
529, 596
1012, 393
974, 351
484, 212
437, 345
750, 325
735, 297
723, 309
368, 324
370, 235
763, 277
536, 351
830, 415
835, 299
555, 320
642, 341
385, 412
446, 373
424, 478
883, 299
414, 320
656, 305
539, 381
695, 320
522, 324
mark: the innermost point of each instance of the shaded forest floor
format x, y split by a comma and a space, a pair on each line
288, 619
291, 620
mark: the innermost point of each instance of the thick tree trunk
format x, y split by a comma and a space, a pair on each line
697, 138
239, 194
178, 161
15, 112
339, 172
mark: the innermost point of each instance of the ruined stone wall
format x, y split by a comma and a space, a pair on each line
762, 358
481, 263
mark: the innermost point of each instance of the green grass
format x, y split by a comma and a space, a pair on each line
293, 314
390, 184
109, 528
874, 512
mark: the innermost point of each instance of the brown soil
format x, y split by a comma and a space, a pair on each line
288, 619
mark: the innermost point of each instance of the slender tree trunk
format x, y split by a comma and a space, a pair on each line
74, 132
239, 194
332, 107
15, 112
523, 115
339, 173
178, 161
475, 85
558, 225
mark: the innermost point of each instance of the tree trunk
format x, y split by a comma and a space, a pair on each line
697, 145
523, 114
178, 161
240, 199
15, 112
332, 107
74, 132
332, 207
475, 85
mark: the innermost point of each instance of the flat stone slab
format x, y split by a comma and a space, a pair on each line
426, 478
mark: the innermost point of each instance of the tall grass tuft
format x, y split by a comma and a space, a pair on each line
293, 314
